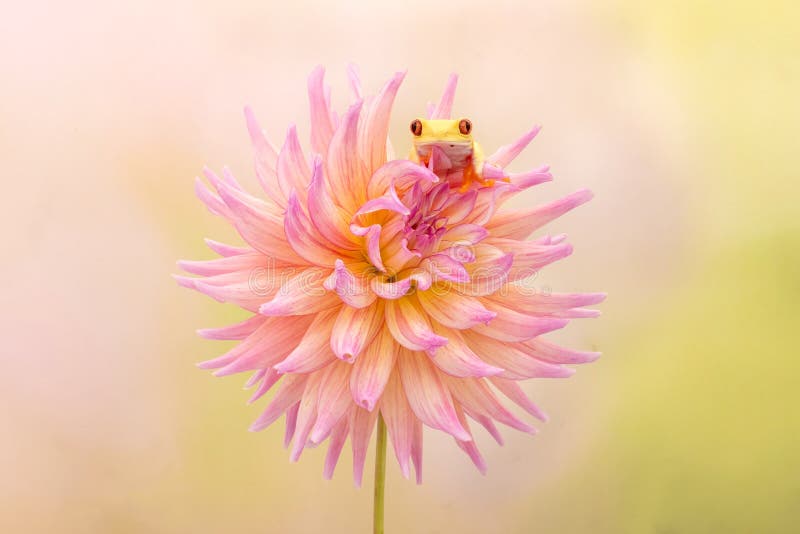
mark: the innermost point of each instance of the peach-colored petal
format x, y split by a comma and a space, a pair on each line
292, 167
344, 170
334, 400
511, 389
399, 421
302, 294
454, 310
327, 217
361, 424
456, 358
509, 325
354, 290
226, 250
338, 437
235, 331
266, 158
427, 394
313, 352
306, 415
321, 117
289, 392
476, 395
303, 237
515, 363
470, 447
376, 124
519, 224
354, 329
410, 326
372, 369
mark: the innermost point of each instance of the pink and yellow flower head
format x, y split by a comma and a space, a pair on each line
383, 285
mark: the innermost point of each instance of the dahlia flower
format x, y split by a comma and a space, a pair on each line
382, 287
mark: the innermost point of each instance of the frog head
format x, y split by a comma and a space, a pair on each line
452, 137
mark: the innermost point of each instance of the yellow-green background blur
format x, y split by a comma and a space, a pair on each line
683, 117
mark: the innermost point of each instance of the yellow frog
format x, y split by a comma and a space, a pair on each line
453, 139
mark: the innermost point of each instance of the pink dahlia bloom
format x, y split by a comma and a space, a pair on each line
377, 286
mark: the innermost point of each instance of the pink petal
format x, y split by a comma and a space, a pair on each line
475, 395
292, 168
226, 250
444, 108
306, 415
489, 272
470, 447
515, 363
279, 335
240, 262
326, 217
519, 224
338, 437
464, 234
290, 391
528, 300
376, 123
321, 119
304, 239
550, 352
334, 400
427, 395
416, 449
373, 242
453, 309
235, 331
354, 79
529, 257
457, 359
313, 352
514, 392
509, 325
266, 159
399, 421
410, 326
291, 424
353, 290
361, 424
460, 206
271, 377
302, 294
354, 329
506, 154
487, 423
398, 173
343, 168
390, 290
372, 369
253, 220
444, 267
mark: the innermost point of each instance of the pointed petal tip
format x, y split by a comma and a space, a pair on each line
184, 281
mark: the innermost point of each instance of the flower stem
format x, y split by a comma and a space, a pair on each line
380, 477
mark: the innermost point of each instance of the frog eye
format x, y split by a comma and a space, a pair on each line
464, 126
416, 127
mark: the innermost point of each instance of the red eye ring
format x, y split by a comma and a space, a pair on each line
464, 126
416, 127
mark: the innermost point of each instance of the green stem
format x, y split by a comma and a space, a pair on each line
380, 477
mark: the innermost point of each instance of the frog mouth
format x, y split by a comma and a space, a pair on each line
455, 151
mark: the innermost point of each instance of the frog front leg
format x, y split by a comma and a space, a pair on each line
479, 171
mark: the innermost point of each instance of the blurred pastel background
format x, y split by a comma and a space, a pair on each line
681, 116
